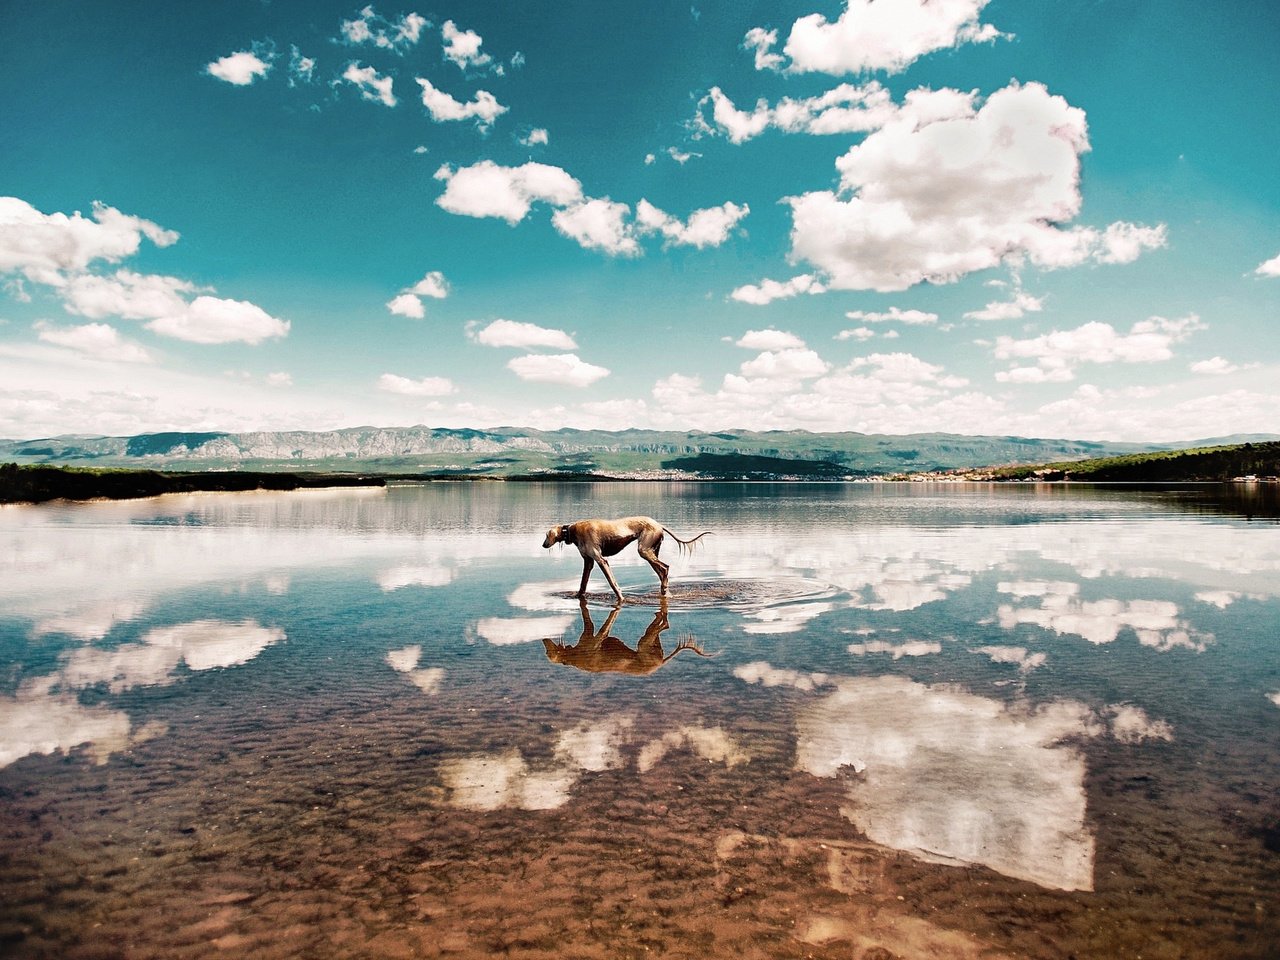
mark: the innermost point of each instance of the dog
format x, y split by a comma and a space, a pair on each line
597, 539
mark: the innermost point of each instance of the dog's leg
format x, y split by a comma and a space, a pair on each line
608, 574
587, 564
650, 555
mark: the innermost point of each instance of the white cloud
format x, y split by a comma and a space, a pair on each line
239, 69
598, 224
680, 156
1156, 623
787, 365
484, 108
132, 296
512, 333
433, 285
414, 575
857, 333
1216, 366
767, 675
301, 69
769, 339
910, 317
279, 379
44, 246
397, 35
538, 136
463, 46
212, 320
426, 387
1019, 306
95, 339
562, 368
372, 86
486, 189
768, 291
762, 42
1269, 268
929, 199
406, 305
886, 35
704, 228
506, 631
1057, 354
844, 109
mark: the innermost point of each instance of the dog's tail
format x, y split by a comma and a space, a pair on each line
686, 545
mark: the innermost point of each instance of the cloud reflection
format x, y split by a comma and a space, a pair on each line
955, 778
45, 716
1156, 622
405, 660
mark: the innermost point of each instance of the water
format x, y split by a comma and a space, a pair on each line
903, 721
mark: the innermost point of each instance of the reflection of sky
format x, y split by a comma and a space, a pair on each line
490, 781
45, 715
952, 777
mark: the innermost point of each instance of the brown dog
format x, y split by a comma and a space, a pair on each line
597, 539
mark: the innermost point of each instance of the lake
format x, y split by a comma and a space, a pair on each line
871, 721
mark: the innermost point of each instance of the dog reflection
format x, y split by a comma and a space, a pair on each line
598, 652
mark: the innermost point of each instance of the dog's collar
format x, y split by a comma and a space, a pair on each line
566, 533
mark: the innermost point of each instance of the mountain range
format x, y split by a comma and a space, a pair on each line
515, 451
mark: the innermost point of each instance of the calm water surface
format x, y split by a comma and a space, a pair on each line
871, 722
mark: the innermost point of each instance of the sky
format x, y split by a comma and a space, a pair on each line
972, 216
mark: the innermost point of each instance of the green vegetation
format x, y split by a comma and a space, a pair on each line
37, 484
1198, 464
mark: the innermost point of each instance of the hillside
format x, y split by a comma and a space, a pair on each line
514, 451
1217, 463
38, 484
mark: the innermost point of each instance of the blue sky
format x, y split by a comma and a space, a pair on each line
980, 217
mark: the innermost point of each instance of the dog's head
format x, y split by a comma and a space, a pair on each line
554, 535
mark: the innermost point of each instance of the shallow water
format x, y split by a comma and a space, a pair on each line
870, 721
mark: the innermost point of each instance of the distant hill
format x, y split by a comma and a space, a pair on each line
1213, 463
514, 451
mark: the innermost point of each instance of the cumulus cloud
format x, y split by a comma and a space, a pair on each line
1018, 656
1218, 366
132, 296
704, 228
405, 661
871, 35
426, 387
769, 339
767, 675
566, 369
538, 136
929, 198
486, 189
1057, 354
844, 109
239, 69
909, 317
1013, 309
484, 108
762, 42
370, 27
512, 333
1269, 268
407, 305
767, 291
788, 365
598, 224
44, 247
433, 284
408, 302
372, 85
911, 648
463, 47
98, 340
211, 320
